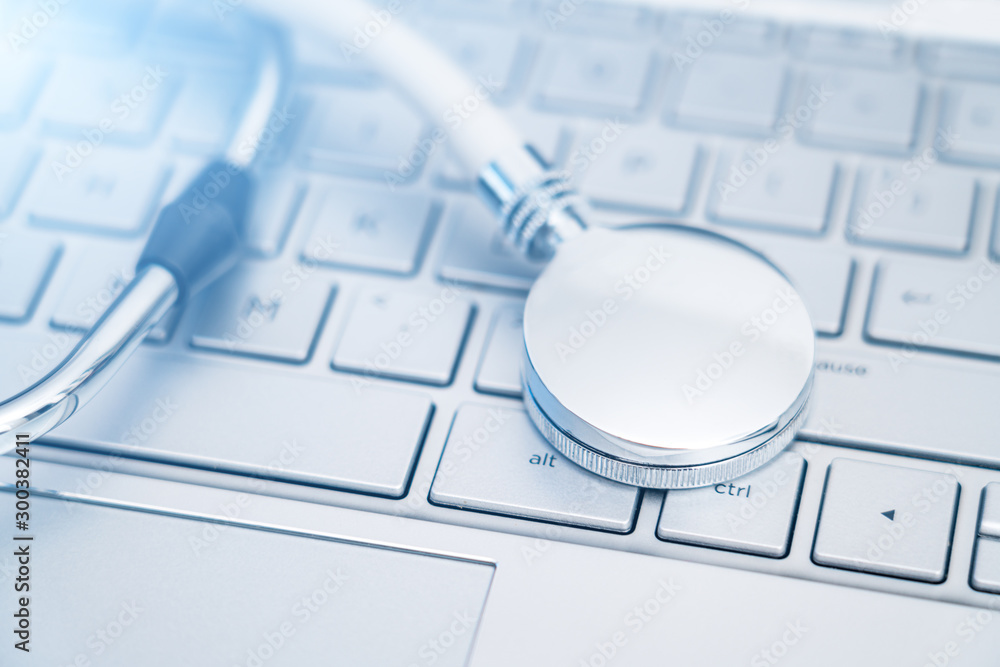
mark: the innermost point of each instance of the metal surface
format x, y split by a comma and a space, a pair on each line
97, 278
666, 357
93, 362
538, 208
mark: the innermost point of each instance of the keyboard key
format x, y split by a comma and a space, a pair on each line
114, 103
276, 205
499, 369
113, 191
405, 335
185, 411
937, 305
208, 109
731, 92
451, 173
196, 34
906, 207
599, 18
107, 27
371, 230
485, 52
822, 276
961, 59
645, 169
896, 400
986, 566
753, 514
864, 109
595, 76
476, 252
989, 520
739, 34
22, 79
546, 134
25, 266
791, 191
365, 133
484, 10
16, 168
268, 311
886, 519
29, 356
971, 122
846, 45
495, 461
275, 151
317, 58
995, 245
97, 278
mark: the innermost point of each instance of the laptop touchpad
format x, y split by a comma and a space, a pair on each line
121, 587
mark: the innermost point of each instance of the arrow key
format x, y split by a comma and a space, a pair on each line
912, 540
937, 305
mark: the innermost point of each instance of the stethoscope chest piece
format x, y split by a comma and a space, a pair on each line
665, 357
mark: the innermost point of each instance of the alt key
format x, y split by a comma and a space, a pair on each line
496, 461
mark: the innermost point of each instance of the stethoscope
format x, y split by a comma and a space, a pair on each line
656, 355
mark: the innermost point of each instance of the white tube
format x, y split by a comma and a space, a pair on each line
424, 74
245, 144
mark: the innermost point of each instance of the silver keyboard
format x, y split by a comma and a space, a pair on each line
366, 353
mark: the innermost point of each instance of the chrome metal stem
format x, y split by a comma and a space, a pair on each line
538, 208
95, 359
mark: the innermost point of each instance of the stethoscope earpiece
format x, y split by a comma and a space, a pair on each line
665, 356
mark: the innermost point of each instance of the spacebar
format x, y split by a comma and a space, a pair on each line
257, 422
927, 405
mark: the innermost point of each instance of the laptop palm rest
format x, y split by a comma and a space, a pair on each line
111, 586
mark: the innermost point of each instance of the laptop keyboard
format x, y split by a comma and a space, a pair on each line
368, 348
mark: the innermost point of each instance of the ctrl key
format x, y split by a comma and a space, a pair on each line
495, 461
753, 514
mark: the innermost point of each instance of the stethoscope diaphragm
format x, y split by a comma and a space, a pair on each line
665, 356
